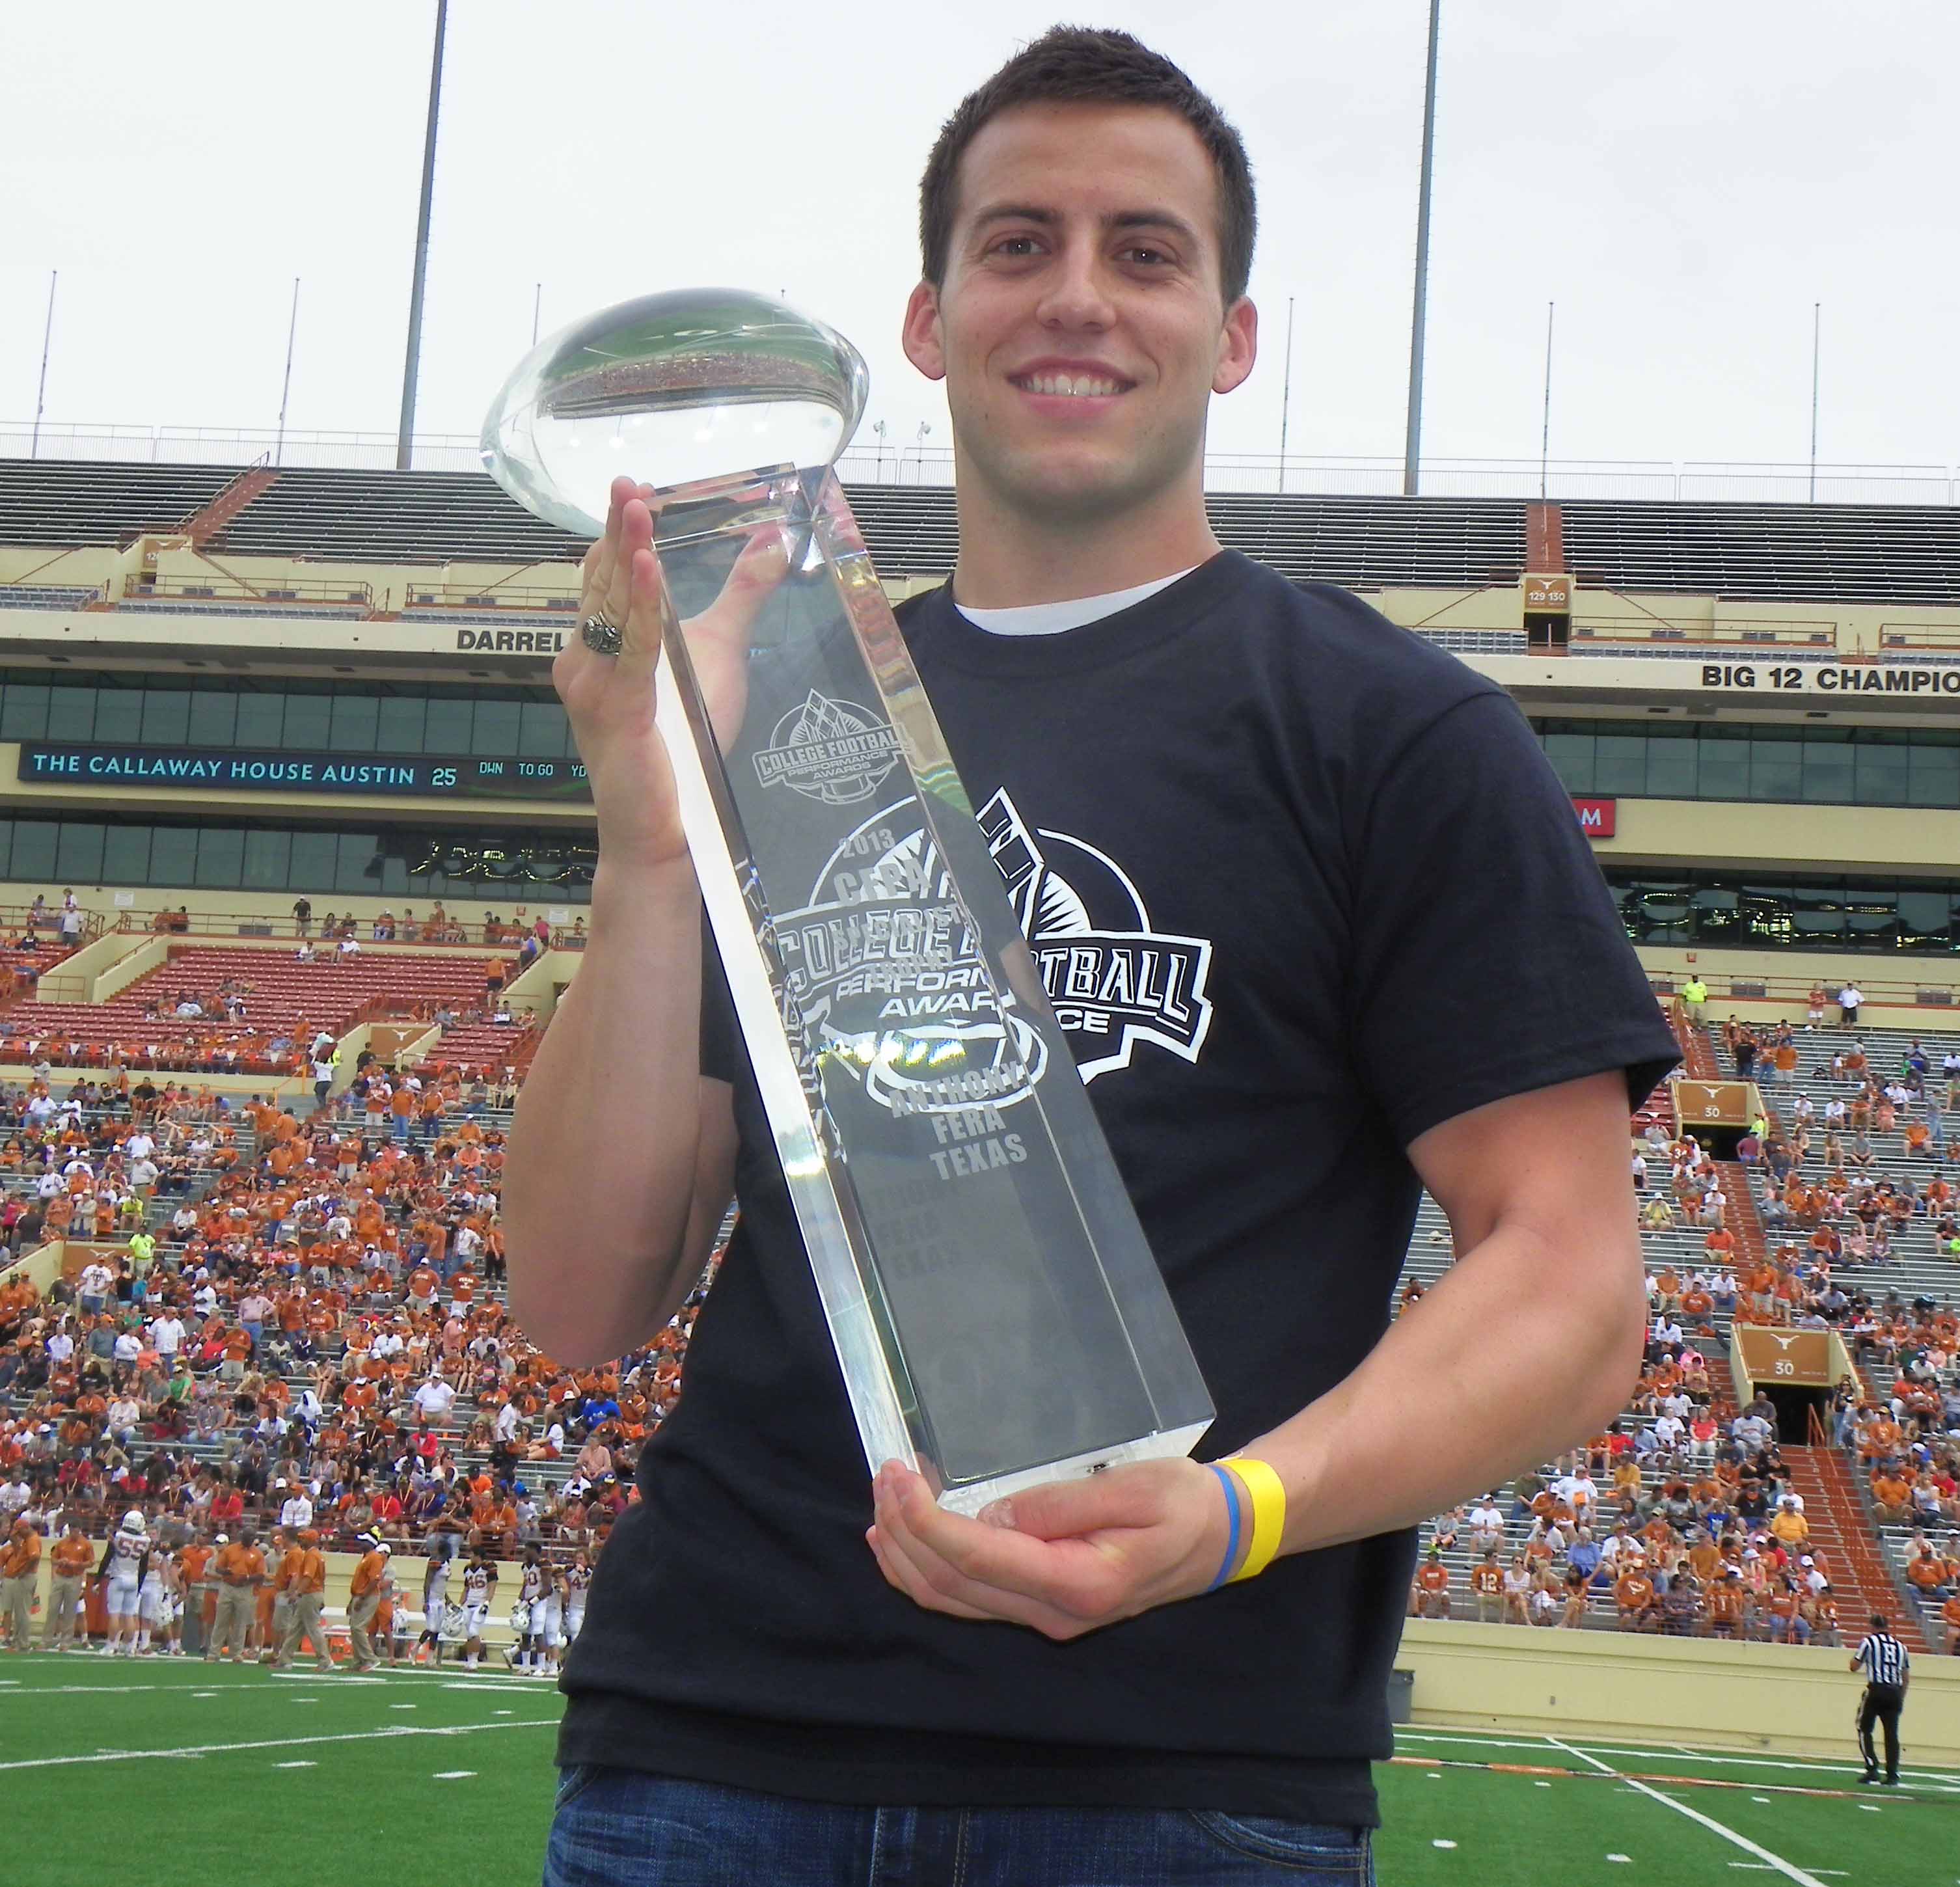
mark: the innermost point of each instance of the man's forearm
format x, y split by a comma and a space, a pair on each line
599, 1174
1502, 1365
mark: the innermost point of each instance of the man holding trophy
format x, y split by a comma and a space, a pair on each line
1261, 855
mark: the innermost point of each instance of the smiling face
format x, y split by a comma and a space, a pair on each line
1081, 328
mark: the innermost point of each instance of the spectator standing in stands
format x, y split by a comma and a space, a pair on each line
1849, 998
1368, 1427
303, 916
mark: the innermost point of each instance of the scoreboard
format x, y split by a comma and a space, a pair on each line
245, 770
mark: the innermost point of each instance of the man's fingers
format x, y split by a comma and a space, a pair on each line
899, 1570
1057, 1509
635, 532
763, 564
1002, 1562
600, 560
639, 621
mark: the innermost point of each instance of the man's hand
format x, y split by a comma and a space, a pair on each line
1066, 1558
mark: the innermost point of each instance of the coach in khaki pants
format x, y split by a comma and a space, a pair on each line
364, 1600
19, 1560
70, 1561
241, 1568
303, 1574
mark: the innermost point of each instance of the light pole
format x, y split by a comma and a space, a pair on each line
1816, 336
1544, 434
41, 393
404, 433
1412, 444
1286, 393
286, 385
880, 428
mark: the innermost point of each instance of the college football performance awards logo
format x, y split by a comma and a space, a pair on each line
885, 969
1112, 981
834, 751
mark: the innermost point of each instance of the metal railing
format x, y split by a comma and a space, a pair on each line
1932, 991
260, 927
1919, 635
1731, 481
512, 596
1644, 630
211, 587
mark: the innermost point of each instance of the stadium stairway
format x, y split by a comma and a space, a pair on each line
1752, 1237
209, 521
1861, 1578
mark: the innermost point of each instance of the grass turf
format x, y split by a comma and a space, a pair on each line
455, 1770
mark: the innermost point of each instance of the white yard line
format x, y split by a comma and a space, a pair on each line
1822, 1765
276, 1742
1782, 1866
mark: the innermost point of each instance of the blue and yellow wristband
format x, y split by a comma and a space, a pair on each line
1268, 1518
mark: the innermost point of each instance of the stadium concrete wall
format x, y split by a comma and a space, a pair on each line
1768, 835
41, 1267
1890, 984
1792, 1699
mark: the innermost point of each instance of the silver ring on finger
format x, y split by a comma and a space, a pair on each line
600, 634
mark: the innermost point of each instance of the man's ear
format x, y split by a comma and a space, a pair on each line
1238, 345
921, 337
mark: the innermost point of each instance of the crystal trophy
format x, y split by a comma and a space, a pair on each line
998, 1315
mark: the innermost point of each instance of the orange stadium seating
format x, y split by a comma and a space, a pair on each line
283, 998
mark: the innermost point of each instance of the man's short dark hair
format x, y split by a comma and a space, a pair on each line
1878, 1621
1087, 65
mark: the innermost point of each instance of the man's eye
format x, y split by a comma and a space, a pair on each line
1144, 252
1017, 245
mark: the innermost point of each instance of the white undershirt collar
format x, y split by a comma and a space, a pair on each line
1052, 618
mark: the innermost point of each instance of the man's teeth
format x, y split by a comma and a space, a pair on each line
1079, 386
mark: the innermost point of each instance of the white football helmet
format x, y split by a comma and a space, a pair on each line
134, 1523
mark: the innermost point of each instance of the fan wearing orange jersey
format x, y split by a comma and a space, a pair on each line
1725, 1598
1633, 1592
1429, 1597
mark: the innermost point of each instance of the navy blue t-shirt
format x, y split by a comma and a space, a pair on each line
1371, 907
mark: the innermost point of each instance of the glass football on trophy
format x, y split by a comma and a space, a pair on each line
996, 1314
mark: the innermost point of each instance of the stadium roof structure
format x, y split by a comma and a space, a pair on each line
1843, 553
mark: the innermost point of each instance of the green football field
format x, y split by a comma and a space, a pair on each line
448, 1776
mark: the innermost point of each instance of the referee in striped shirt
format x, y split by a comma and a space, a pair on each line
1887, 1671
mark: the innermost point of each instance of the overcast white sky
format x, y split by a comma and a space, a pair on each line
1684, 178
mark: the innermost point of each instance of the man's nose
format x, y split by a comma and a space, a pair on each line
1075, 293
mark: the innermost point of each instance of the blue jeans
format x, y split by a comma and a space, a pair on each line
620, 1828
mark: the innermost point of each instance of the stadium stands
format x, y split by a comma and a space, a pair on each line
381, 1363
392, 517
1844, 553
1812, 553
83, 502
276, 1003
